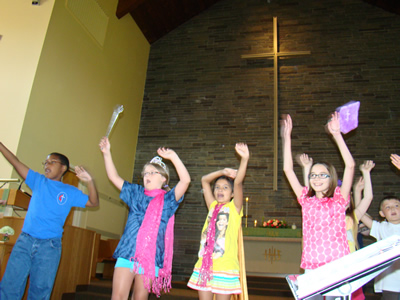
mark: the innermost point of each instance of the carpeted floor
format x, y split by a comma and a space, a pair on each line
259, 288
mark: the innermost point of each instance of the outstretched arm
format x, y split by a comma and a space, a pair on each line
243, 151
207, 179
364, 204
357, 191
286, 131
84, 175
367, 220
306, 163
112, 172
183, 174
21, 169
349, 164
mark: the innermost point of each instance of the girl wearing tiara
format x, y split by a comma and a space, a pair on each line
144, 253
323, 202
217, 270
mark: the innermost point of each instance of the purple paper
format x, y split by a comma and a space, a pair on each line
348, 116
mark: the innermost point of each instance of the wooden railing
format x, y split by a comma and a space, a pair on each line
77, 259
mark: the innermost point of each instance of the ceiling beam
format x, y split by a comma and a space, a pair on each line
126, 6
388, 5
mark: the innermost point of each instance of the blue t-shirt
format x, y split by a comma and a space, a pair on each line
133, 195
50, 205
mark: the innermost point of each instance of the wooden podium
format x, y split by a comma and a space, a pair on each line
16, 198
6, 247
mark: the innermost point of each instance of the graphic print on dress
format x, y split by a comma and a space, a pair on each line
221, 225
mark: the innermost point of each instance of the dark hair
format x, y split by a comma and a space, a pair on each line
222, 214
333, 180
63, 159
391, 197
229, 179
217, 231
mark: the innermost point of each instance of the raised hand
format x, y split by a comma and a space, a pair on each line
105, 145
395, 160
367, 166
333, 127
362, 203
242, 150
304, 160
229, 172
306, 163
166, 153
82, 174
111, 170
334, 124
286, 126
183, 174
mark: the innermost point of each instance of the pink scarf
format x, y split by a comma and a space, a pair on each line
146, 245
206, 270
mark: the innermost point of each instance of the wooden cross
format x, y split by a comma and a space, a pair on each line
275, 55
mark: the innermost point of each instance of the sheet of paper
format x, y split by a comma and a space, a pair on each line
348, 267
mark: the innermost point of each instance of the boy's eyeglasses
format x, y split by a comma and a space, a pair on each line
50, 162
150, 173
320, 176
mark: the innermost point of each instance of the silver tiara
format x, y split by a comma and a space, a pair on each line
158, 161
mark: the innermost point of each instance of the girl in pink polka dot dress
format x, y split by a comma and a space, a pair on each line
357, 207
324, 202
358, 204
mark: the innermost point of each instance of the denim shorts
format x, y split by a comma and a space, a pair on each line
125, 263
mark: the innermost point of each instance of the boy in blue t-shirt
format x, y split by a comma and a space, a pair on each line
37, 251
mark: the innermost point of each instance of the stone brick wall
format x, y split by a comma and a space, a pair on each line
201, 98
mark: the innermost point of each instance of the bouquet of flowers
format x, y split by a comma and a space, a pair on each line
275, 223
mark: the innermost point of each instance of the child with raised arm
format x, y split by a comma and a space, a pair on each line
37, 251
306, 163
356, 209
217, 269
144, 253
387, 282
324, 202
358, 205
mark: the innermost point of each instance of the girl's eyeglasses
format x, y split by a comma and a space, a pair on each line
320, 176
150, 173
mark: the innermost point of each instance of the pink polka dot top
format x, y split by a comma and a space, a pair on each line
324, 229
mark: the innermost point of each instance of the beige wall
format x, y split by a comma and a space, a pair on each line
23, 28
76, 87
